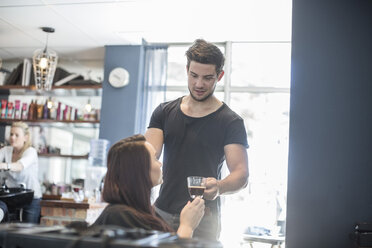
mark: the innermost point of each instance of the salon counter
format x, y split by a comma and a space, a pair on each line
63, 212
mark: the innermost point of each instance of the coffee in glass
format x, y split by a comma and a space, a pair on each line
196, 186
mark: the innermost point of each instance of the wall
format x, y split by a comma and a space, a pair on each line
330, 153
119, 109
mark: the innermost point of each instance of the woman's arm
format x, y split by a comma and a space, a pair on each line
28, 158
190, 217
15, 166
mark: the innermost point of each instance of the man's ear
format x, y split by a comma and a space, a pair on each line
221, 75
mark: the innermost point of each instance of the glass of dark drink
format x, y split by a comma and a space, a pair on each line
196, 186
77, 194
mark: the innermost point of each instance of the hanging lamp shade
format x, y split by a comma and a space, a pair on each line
45, 64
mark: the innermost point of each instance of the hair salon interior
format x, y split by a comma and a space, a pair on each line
298, 72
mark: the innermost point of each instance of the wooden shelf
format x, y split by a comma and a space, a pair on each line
10, 121
66, 87
64, 90
51, 155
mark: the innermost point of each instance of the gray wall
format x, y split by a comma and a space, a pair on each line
120, 107
330, 153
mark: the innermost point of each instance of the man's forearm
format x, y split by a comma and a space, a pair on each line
233, 183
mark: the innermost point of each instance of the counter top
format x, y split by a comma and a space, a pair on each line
71, 204
64, 204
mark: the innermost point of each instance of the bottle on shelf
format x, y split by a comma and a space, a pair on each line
48, 110
58, 116
39, 111
65, 113
24, 114
10, 111
17, 109
31, 110
51, 109
3, 108
45, 110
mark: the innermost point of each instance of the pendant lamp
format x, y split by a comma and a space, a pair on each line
45, 64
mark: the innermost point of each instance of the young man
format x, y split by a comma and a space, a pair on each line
199, 132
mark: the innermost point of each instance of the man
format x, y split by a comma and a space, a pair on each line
199, 132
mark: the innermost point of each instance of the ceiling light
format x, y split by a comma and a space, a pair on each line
88, 107
45, 64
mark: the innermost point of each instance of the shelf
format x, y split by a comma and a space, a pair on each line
10, 121
51, 155
66, 87
64, 90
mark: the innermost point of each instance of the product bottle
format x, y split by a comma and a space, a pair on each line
65, 113
3, 108
58, 117
52, 113
69, 113
45, 110
17, 110
10, 110
24, 114
31, 111
39, 109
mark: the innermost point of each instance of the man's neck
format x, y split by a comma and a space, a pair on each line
193, 108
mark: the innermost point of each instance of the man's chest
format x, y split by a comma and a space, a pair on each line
206, 133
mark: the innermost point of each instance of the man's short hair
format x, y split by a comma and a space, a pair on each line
205, 53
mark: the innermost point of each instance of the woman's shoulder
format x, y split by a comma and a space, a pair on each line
31, 150
119, 211
115, 207
120, 214
30, 154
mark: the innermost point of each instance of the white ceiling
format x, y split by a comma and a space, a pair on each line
84, 27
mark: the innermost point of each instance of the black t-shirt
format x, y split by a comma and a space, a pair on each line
193, 147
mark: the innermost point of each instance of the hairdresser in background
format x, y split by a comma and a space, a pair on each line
20, 164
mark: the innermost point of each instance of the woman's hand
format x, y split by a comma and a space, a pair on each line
190, 217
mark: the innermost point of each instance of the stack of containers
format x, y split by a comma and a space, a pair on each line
97, 166
98, 152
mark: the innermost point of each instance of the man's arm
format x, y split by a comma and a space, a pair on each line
237, 163
155, 137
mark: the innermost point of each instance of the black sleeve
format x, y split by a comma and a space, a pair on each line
157, 118
236, 134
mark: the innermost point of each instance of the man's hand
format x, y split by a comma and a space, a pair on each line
212, 189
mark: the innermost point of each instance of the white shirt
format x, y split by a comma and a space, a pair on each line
29, 174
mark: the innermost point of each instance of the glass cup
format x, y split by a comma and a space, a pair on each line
196, 186
78, 194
